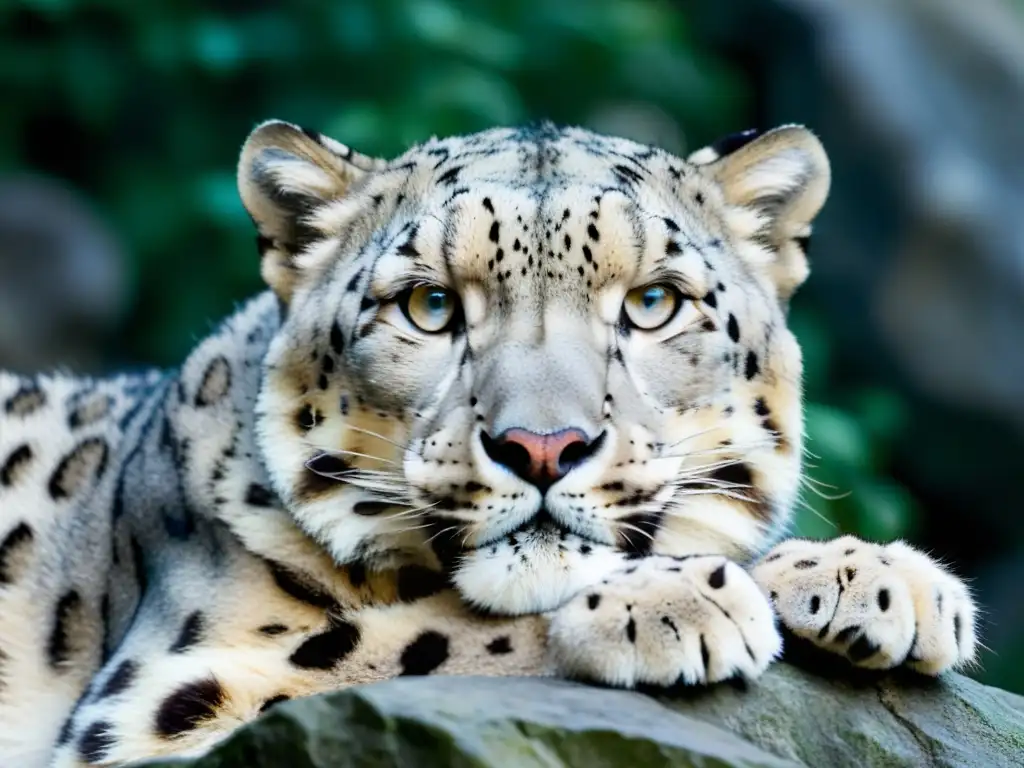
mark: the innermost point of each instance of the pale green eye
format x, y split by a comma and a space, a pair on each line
430, 307
651, 306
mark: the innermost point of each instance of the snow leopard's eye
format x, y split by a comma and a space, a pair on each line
431, 308
650, 307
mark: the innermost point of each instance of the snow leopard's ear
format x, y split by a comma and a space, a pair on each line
285, 174
773, 184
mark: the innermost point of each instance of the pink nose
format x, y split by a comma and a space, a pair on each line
540, 459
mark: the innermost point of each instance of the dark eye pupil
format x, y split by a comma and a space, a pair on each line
437, 301
653, 296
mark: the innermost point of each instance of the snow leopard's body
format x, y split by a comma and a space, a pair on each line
335, 489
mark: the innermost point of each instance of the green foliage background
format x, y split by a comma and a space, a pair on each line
143, 106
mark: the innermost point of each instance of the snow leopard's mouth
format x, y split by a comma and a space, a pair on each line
449, 544
545, 522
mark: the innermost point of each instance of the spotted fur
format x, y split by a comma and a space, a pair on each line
324, 494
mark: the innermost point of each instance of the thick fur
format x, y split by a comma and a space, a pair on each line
310, 502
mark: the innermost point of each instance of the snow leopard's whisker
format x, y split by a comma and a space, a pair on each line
632, 527
401, 446
692, 436
345, 452
457, 528
412, 512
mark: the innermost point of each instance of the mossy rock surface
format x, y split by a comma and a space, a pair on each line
791, 717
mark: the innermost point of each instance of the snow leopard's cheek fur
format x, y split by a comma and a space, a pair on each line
376, 434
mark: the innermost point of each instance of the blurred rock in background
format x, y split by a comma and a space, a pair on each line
62, 281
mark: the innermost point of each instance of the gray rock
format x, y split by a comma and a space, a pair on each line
791, 717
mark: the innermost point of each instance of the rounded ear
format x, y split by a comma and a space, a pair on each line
284, 174
774, 184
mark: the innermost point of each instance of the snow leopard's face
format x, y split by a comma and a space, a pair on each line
516, 351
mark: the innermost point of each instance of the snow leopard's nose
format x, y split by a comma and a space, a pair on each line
540, 459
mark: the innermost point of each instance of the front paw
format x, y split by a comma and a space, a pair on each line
879, 606
666, 621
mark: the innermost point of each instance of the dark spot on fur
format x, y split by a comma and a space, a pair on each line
191, 633
188, 707
326, 650
317, 481
803, 565
272, 630
28, 399
121, 678
301, 587
67, 730
734, 474
851, 574
337, 339
258, 495
883, 600
847, 634
761, 407
667, 621
90, 409
370, 508
863, 648
416, 582
356, 574
815, 604
96, 740
307, 417
500, 645
424, 654
631, 630
495, 232
710, 299
274, 700
751, 368
263, 244
593, 233
215, 384
733, 328
59, 646
593, 600
85, 463
957, 630
13, 552
636, 532
705, 654
328, 465
450, 176
717, 578
15, 465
